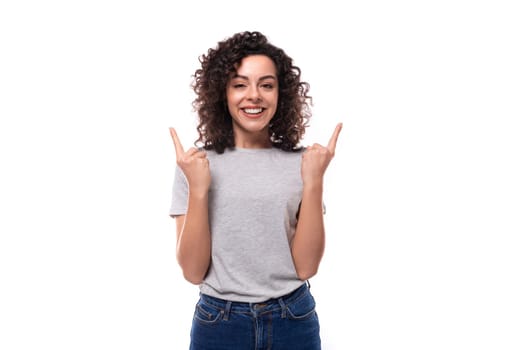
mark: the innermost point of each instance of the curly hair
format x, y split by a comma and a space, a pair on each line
215, 129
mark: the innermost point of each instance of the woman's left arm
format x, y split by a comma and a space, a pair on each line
308, 243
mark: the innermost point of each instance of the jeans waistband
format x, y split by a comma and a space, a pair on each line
265, 306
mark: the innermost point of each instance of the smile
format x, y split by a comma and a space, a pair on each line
252, 110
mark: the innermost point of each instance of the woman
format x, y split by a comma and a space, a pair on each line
248, 203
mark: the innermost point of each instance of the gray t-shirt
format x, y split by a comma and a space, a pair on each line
253, 203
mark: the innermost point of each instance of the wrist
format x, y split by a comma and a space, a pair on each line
313, 185
198, 192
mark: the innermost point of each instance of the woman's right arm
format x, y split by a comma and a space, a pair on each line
193, 229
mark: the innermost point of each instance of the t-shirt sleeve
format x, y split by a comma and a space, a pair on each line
179, 199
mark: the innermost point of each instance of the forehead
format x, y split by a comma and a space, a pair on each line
256, 65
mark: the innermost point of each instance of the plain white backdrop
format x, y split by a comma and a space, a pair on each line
425, 198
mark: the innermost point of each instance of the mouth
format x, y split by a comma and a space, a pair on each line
253, 112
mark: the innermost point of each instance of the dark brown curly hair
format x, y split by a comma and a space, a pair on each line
215, 130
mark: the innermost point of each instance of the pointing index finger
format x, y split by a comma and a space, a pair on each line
179, 150
333, 140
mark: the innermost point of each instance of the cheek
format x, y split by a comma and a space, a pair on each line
232, 98
274, 98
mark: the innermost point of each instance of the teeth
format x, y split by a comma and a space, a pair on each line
253, 110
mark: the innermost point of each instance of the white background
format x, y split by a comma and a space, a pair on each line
425, 198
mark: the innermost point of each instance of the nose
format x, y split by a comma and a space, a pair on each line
253, 93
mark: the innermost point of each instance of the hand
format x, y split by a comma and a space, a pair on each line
316, 159
194, 165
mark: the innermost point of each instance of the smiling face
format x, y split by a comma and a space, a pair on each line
252, 94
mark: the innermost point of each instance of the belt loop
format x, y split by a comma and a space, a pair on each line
227, 310
308, 283
283, 307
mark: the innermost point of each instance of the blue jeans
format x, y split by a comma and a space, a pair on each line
286, 323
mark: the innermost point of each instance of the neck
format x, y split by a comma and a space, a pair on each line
254, 141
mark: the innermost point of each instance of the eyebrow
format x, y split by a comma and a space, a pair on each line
261, 78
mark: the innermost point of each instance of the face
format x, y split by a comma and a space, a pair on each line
252, 95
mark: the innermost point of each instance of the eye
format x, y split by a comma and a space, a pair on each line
238, 86
267, 86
